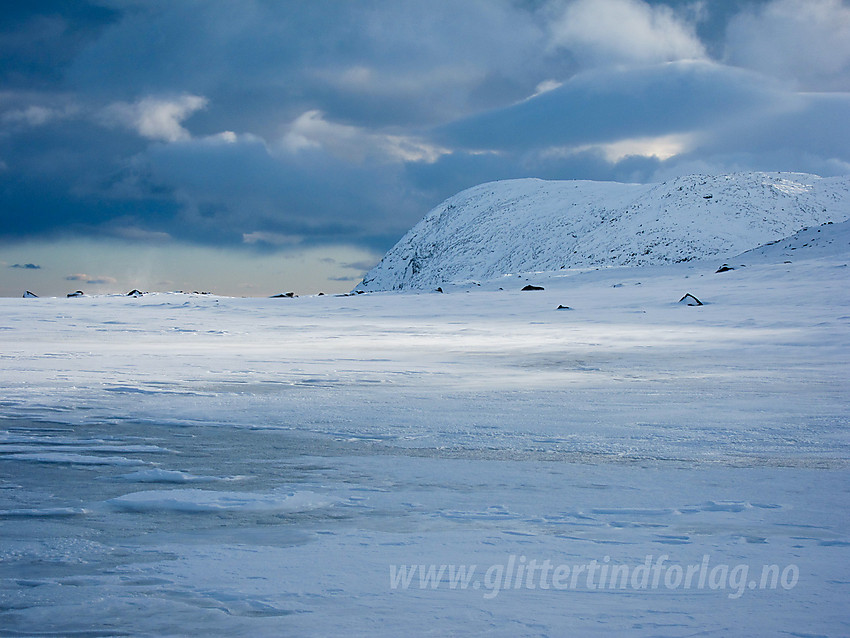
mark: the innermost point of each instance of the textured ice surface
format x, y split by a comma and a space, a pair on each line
75, 459
197, 500
159, 475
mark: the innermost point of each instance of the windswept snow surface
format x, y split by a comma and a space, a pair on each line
525, 225
460, 464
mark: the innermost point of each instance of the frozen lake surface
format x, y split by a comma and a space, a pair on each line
180, 464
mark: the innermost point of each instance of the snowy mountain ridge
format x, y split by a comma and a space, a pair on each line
529, 225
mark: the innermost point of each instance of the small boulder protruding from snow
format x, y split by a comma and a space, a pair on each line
562, 307
78, 293
690, 300
135, 292
439, 289
724, 268
284, 295
531, 287
30, 295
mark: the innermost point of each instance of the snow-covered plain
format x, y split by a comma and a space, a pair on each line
195, 465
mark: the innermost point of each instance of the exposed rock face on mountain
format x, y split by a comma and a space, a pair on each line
534, 225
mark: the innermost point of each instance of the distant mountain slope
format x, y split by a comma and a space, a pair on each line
826, 240
529, 224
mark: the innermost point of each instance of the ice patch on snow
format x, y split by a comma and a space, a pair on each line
74, 459
196, 500
158, 475
43, 512
70, 448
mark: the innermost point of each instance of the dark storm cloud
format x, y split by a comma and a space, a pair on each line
371, 63
229, 189
87, 156
39, 39
273, 125
64, 176
609, 105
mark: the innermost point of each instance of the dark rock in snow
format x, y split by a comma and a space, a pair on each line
135, 292
284, 295
561, 307
690, 300
439, 289
29, 294
724, 268
530, 287
78, 293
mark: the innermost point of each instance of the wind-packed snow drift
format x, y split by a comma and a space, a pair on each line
528, 225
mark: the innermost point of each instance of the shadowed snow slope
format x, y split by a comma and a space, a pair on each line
534, 225
820, 241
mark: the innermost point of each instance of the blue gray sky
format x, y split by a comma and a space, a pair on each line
264, 146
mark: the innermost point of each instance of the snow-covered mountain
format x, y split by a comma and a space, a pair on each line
535, 225
811, 242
